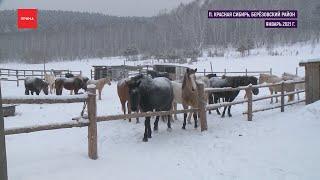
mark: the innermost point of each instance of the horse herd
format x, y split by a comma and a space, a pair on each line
156, 92
69, 82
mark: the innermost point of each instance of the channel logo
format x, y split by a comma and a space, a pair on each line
27, 18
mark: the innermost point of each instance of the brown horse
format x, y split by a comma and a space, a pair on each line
190, 94
72, 84
123, 93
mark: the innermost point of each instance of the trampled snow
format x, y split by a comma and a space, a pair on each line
273, 146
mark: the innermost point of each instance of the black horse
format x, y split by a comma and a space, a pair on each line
35, 85
155, 74
148, 95
229, 96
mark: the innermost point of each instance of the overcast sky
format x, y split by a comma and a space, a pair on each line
111, 7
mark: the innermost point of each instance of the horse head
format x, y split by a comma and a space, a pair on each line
107, 81
254, 81
189, 79
134, 93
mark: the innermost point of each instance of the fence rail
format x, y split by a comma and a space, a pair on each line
225, 72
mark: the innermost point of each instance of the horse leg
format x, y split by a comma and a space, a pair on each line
169, 122
224, 108
271, 92
123, 105
31, 92
99, 90
210, 101
184, 120
189, 117
26, 92
149, 130
216, 101
155, 127
276, 97
175, 107
229, 111
195, 117
37, 92
146, 129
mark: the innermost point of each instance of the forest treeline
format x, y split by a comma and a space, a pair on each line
66, 35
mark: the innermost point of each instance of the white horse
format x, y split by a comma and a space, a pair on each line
50, 79
267, 78
300, 86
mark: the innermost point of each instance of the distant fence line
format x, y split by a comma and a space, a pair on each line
245, 73
21, 74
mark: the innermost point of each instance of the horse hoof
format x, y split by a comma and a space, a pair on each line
149, 136
155, 129
145, 139
222, 116
230, 115
169, 129
195, 127
184, 127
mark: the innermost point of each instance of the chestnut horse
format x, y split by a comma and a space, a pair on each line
123, 93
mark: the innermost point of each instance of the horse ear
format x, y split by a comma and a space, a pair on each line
138, 83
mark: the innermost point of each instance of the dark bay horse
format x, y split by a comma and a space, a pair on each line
72, 84
231, 81
35, 84
150, 94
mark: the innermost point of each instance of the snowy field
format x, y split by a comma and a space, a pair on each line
273, 146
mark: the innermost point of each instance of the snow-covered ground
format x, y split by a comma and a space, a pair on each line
273, 146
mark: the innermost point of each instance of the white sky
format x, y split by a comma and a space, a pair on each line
111, 7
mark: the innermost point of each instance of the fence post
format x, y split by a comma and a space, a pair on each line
249, 97
282, 96
296, 71
17, 75
270, 71
92, 128
204, 72
202, 107
246, 72
3, 156
225, 71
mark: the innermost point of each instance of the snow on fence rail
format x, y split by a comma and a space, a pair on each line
92, 118
21, 74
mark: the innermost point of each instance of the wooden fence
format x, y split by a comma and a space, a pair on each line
92, 118
20, 75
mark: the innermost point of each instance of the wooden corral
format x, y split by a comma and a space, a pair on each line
312, 75
92, 118
175, 72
